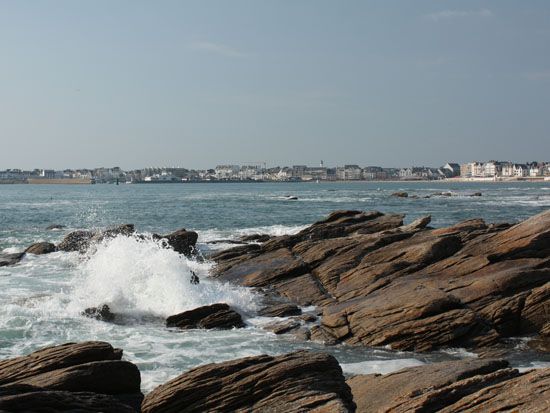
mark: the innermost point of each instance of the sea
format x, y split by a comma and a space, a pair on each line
42, 297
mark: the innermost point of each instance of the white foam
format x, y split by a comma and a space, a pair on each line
459, 352
233, 234
135, 276
379, 366
534, 365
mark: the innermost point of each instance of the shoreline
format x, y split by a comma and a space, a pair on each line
435, 181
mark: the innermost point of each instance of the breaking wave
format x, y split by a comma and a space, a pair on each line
138, 276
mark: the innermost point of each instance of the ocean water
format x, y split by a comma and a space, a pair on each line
41, 298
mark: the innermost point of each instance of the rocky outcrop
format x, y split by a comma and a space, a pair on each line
219, 316
81, 375
255, 238
382, 283
76, 241
7, 259
296, 382
28, 399
101, 313
81, 240
454, 386
280, 310
182, 241
41, 248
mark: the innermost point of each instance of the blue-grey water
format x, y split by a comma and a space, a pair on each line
41, 298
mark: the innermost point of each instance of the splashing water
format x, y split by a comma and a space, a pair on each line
139, 277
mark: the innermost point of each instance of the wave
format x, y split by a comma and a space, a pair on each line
140, 277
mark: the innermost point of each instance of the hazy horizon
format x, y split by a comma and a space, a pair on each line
200, 83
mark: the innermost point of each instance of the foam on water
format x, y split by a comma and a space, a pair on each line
379, 366
233, 234
140, 277
533, 365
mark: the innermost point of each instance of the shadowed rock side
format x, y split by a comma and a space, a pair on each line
10, 258
380, 282
182, 241
455, 386
296, 382
86, 376
219, 316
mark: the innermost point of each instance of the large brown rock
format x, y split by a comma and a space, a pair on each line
219, 316
182, 241
295, 382
30, 400
529, 392
56, 357
426, 388
380, 282
70, 376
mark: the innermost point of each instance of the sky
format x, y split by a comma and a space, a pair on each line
200, 83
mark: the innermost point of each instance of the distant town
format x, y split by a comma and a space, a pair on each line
472, 171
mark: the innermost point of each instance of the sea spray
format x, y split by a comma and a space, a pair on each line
138, 276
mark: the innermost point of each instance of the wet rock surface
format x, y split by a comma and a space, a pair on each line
295, 382
101, 313
7, 259
76, 241
182, 241
41, 248
86, 376
382, 283
219, 316
280, 310
454, 386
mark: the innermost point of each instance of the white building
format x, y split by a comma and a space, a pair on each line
520, 170
226, 172
492, 169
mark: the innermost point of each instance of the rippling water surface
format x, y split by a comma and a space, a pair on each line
42, 297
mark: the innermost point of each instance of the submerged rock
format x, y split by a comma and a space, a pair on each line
295, 382
10, 259
102, 313
382, 283
400, 194
74, 375
41, 248
54, 227
219, 316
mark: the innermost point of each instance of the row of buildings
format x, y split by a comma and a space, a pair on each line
259, 172
499, 169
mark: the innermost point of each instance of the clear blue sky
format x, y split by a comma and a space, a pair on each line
198, 83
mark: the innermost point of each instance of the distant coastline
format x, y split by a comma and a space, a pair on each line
78, 181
